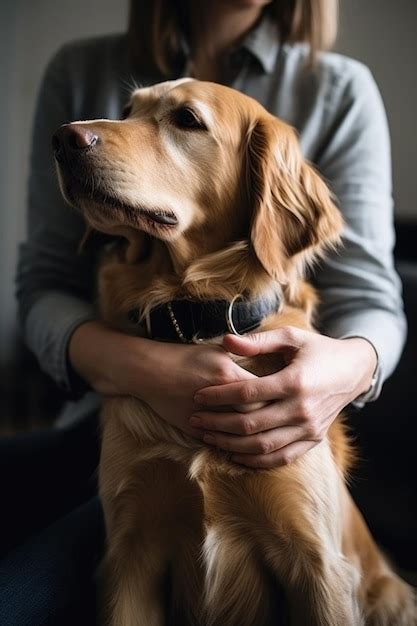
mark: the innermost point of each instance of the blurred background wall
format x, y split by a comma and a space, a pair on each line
381, 33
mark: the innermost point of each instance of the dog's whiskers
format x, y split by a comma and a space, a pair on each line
130, 84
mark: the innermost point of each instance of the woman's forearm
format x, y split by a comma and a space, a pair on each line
166, 376
107, 359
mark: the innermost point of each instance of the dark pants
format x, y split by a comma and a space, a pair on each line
51, 525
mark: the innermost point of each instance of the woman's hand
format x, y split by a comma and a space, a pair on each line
164, 375
322, 376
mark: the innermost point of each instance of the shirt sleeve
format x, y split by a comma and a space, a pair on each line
359, 288
54, 281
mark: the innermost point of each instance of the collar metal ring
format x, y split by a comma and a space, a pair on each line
229, 316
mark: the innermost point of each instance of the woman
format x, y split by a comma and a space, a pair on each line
271, 51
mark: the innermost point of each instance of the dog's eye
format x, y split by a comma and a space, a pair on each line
127, 110
185, 118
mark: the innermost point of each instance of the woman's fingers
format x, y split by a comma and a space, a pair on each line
263, 389
270, 416
265, 342
284, 456
262, 444
259, 389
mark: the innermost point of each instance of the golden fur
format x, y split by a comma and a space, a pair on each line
251, 214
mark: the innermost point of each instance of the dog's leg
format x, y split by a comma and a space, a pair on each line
151, 510
387, 600
238, 591
322, 590
286, 521
135, 567
304, 505
133, 584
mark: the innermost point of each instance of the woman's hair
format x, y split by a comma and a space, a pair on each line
156, 26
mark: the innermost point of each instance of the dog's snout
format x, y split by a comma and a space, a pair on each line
72, 138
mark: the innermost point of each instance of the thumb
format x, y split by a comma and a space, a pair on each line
263, 342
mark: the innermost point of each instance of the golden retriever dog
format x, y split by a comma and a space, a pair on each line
216, 204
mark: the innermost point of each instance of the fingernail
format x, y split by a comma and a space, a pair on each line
196, 421
209, 439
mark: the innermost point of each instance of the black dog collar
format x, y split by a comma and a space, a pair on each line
190, 320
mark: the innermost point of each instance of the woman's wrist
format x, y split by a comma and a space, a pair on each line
366, 362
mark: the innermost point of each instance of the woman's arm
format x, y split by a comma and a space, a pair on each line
164, 375
54, 283
360, 291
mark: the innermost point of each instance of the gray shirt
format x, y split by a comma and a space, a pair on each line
338, 113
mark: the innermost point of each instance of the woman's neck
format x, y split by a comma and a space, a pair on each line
216, 28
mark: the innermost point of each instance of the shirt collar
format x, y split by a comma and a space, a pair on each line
262, 42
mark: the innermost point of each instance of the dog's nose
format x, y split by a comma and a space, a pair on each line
72, 138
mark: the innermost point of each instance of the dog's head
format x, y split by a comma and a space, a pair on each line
200, 166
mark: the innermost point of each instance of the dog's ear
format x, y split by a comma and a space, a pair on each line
293, 211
